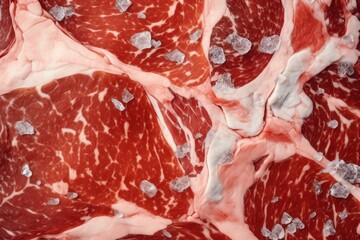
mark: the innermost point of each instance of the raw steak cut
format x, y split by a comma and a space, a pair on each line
179, 119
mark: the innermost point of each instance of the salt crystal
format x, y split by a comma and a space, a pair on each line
349, 172
274, 199
343, 215
329, 229
118, 105
53, 201
24, 128
317, 187
38, 182
148, 188
240, 44
198, 135
321, 90
269, 44
196, 35
350, 40
182, 150
312, 215
224, 81
332, 124
166, 234
298, 223
286, 218
155, 43
126, 96
345, 68
175, 56
59, 12
25, 171
265, 232
141, 15
339, 191
291, 228
122, 5
72, 195
118, 214
278, 231
318, 156
217, 55
141, 40
181, 184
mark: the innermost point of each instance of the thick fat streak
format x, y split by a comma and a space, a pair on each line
294, 111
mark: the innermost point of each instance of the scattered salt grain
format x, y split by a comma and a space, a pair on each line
148, 188
141, 15
155, 43
274, 199
118, 105
166, 234
126, 96
59, 12
320, 90
329, 229
278, 232
224, 82
317, 187
339, 191
118, 214
72, 195
181, 184
182, 150
286, 218
175, 56
196, 35
198, 135
298, 223
53, 201
38, 182
265, 232
345, 68
240, 44
269, 44
25, 171
217, 55
332, 124
141, 40
312, 215
122, 5
343, 215
318, 156
24, 128
291, 228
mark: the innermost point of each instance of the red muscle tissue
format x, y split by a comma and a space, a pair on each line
179, 119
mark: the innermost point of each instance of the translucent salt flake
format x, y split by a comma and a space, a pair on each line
38, 182
166, 234
298, 223
269, 44
182, 150
349, 172
274, 199
318, 156
345, 68
24, 128
155, 43
118, 214
72, 195
343, 215
196, 35
148, 188
198, 135
126, 96
240, 44
25, 171
181, 184
59, 12
278, 231
141, 40
320, 90
217, 55
329, 229
224, 81
53, 201
317, 187
122, 5
118, 105
332, 124
312, 215
141, 15
286, 218
349, 40
175, 56
339, 191
291, 228
265, 232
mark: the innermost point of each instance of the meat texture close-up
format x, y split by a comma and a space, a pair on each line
179, 119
